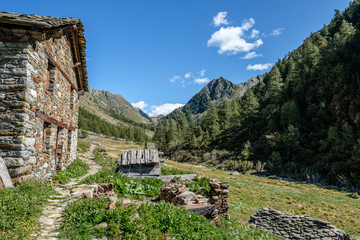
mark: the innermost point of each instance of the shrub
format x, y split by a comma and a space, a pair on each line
127, 186
260, 166
200, 185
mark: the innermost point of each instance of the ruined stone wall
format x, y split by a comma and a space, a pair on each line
296, 227
38, 107
211, 208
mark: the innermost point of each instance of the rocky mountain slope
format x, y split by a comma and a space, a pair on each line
112, 107
216, 90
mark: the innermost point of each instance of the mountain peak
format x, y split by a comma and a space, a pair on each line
216, 90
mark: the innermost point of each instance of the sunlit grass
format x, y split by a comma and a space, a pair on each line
249, 194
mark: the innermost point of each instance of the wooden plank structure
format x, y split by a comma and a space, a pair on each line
139, 163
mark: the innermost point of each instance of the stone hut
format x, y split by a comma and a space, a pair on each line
42, 74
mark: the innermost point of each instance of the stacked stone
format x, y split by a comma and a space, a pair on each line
295, 226
98, 190
219, 196
39, 88
178, 194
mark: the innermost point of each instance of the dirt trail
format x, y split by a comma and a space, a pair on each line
51, 218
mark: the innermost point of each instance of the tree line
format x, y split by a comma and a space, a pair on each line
91, 122
302, 120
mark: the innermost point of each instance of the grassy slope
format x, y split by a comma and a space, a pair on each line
96, 109
114, 147
249, 194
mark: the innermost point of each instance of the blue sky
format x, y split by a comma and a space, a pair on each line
158, 54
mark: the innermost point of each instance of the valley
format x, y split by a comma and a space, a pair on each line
81, 163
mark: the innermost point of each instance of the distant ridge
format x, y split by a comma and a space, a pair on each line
214, 91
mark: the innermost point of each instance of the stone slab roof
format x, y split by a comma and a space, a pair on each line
48, 23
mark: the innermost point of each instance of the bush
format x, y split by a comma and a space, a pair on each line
241, 166
76, 169
127, 186
20, 208
260, 166
149, 187
200, 185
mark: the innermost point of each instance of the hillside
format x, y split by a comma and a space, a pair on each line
214, 92
302, 120
110, 114
112, 107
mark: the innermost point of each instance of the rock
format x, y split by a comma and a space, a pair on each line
287, 226
5, 179
101, 225
234, 173
112, 206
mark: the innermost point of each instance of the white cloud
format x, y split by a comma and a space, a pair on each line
220, 19
202, 73
140, 104
251, 55
231, 40
254, 33
201, 80
175, 78
275, 32
257, 67
164, 109
188, 75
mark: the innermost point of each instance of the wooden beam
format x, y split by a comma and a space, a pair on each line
77, 55
49, 119
62, 72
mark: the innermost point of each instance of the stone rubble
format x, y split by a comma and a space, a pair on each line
296, 227
211, 208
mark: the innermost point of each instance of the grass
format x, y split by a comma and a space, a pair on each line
114, 147
21, 207
134, 188
148, 221
249, 194
83, 146
165, 170
76, 169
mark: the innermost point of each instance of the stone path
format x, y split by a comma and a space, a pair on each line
51, 218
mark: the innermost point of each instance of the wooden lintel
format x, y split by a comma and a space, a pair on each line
77, 55
62, 71
49, 119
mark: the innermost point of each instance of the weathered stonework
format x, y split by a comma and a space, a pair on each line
42, 62
295, 226
211, 208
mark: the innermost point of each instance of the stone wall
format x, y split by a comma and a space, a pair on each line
38, 107
211, 208
295, 226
